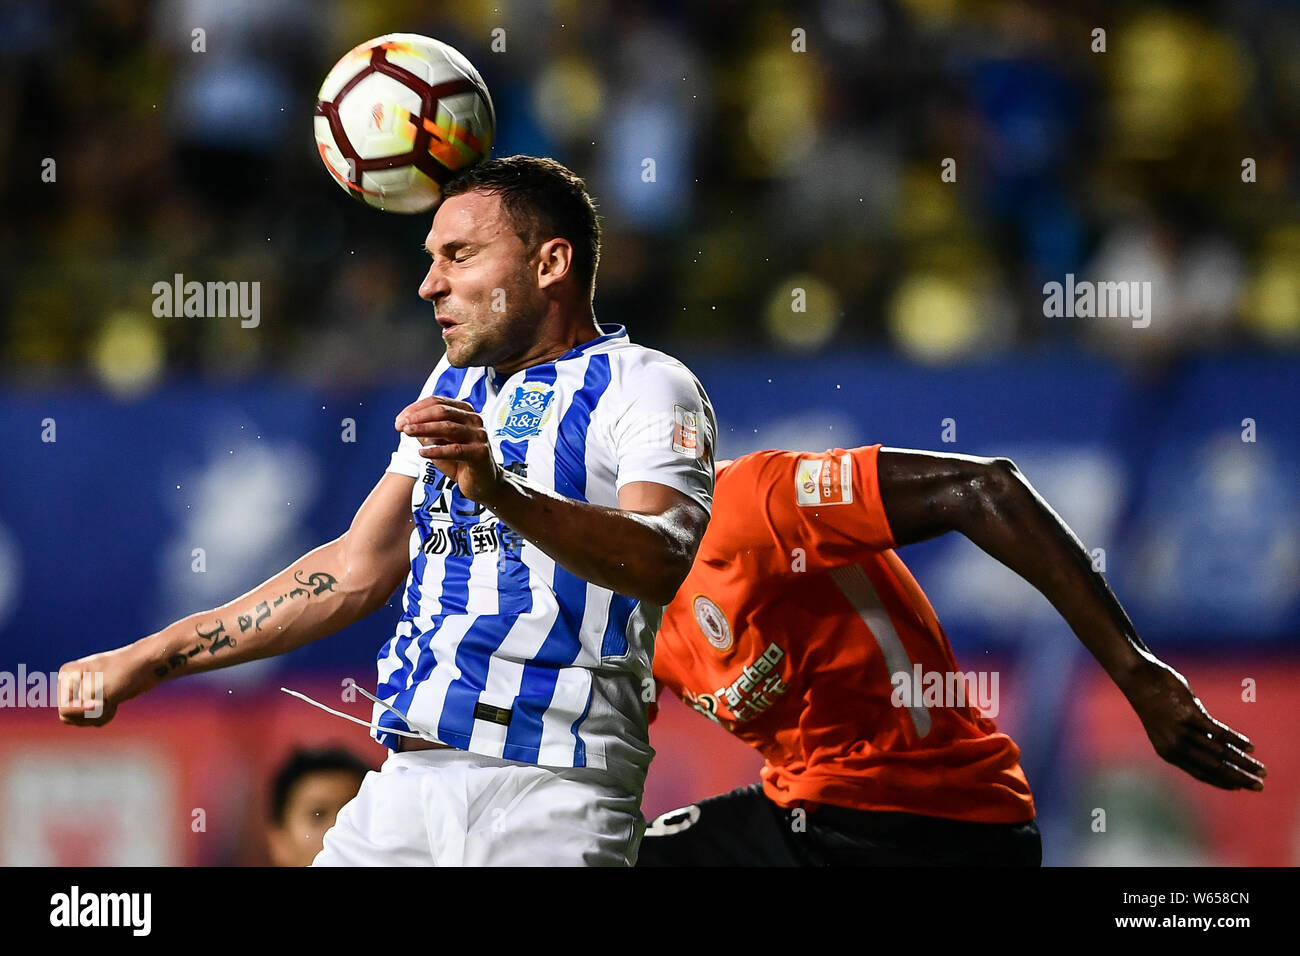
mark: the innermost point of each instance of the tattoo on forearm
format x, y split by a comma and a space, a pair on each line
218, 636
316, 583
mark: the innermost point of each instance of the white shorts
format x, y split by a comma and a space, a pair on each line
455, 808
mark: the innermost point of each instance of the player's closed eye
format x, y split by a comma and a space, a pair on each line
459, 254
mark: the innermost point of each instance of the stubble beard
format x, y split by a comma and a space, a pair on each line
481, 345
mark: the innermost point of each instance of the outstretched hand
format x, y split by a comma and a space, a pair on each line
1183, 732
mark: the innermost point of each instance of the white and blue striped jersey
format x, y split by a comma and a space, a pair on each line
499, 650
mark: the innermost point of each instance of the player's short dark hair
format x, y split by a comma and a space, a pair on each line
546, 200
303, 763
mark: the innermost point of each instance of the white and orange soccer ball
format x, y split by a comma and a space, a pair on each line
400, 115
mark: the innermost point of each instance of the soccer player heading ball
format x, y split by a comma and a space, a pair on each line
547, 495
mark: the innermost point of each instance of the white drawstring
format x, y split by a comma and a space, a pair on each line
370, 725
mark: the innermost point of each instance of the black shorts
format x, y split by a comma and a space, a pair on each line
745, 828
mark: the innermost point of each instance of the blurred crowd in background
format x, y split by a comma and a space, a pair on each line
794, 147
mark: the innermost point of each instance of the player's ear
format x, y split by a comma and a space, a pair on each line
554, 260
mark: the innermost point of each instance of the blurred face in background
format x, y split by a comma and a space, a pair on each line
313, 803
481, 282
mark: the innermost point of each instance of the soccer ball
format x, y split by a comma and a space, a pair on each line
399, 116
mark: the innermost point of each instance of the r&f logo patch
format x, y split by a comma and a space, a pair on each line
527, 412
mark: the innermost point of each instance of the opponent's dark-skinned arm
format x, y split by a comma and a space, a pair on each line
642, 549
989, 501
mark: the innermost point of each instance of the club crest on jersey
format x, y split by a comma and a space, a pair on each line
528, 411
713, 623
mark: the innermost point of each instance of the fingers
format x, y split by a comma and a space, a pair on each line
431, 433
1229, 752
449, 452
434, 408
70, 692
448, 428
1205, 775
81, 697
1225, 743
1229, 762
1209, 769
1216, 764
1223, 732
1209, 749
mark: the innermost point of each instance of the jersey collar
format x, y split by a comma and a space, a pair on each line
609, 334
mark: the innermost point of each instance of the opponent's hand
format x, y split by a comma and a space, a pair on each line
91, 688
455, 440
1184, 733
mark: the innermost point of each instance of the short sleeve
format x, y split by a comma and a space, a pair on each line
826, 504
666, 432
406, 459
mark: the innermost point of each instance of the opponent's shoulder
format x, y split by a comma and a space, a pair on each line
769, 461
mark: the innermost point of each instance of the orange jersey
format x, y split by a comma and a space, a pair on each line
786, 632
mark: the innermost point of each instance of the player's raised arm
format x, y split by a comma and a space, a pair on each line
989, 501
643, 548
320, 593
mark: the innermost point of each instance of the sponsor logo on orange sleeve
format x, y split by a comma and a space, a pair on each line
826, 480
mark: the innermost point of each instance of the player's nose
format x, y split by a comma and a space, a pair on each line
435, 284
